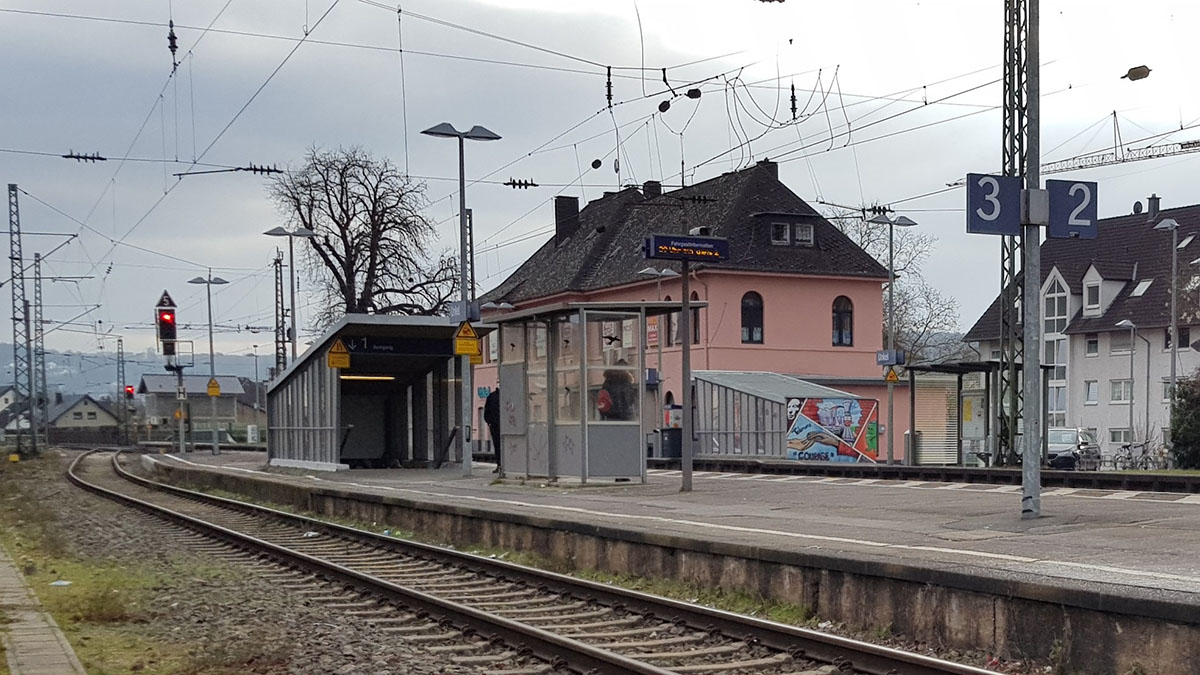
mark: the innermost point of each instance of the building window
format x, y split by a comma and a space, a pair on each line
91, 415
77, 416
843, 322
995, 354
1119, 341
1056, 355
1056, 406
1166, 391
1185, 337
1055, 308
1119, 436
779, 234
695, 319
1122, 391
1091, 344
752, 319
802, 234
1091, 297
1091, 392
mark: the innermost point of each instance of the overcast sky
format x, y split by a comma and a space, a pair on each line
917, 82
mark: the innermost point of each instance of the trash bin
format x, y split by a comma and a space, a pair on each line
672, 431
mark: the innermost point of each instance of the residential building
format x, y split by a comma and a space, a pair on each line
160, 393
1091, 285
796, 297
79, 411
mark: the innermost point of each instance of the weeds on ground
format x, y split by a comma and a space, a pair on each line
1137, 669
216, 657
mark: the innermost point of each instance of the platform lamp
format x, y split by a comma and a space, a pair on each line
1126, 323
305, 233
475, 133
659, 275
208, 282
892, 223
1173, 226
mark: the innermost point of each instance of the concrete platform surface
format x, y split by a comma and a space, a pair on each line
1140, 546
32, 641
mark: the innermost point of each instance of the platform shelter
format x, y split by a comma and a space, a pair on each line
372, 391
572, 382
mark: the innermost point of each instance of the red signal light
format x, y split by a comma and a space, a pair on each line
129, 391
167, 317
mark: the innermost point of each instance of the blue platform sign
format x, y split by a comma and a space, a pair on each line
889, 357
1073, 210
687, 247
993, 204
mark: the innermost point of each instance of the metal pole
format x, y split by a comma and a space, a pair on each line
685, 326
1031, 467
891, 386
1146, 404
212, 363
658, 394
292, 271
179, 388
1174, 331
32, 399
463, 279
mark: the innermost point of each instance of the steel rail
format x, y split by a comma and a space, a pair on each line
550, 647
864, 657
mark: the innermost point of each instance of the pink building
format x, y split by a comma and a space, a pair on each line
796, 297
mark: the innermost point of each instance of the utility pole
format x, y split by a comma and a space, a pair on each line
280, 317
39, 395
1031, 466
123, 437
22, 375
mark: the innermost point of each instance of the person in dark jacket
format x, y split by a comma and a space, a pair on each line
491, 417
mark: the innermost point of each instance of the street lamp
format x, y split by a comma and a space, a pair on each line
1173, 226
659, 275
298, 232
902, 221
1126, 323
212, 364
475, 133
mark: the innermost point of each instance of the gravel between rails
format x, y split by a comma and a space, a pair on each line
240, 621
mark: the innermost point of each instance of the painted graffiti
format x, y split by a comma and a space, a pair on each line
833, 429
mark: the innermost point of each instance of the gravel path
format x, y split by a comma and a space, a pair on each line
234, 618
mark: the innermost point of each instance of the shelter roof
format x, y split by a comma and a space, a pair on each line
771, 386
165, 383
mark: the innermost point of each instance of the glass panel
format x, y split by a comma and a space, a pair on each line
612, 370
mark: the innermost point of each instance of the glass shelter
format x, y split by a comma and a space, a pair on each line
572, 388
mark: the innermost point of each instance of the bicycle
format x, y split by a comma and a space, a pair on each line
1145, 460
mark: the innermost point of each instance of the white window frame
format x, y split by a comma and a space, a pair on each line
787, 233
1055, 323
1166, 391
1091, 392
1087, 288
1126, 391
1090, 339
803, 234
1113, 348
1126, 436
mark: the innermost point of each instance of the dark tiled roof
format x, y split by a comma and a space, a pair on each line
58, 409
589, 260
1125, 248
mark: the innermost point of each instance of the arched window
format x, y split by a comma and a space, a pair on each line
695, 320
752, 318
843, 322
667, 322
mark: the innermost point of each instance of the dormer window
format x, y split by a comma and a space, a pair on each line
1091, 297
802, 234
779, 234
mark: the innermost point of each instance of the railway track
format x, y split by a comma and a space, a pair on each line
494, 616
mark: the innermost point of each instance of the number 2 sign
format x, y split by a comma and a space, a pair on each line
993, 204
1072, 209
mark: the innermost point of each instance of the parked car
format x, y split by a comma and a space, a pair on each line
1071, 448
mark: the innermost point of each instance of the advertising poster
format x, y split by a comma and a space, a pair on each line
832, 429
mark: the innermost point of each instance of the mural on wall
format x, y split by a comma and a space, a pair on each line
833, 429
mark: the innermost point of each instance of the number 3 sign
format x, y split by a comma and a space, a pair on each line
993, 204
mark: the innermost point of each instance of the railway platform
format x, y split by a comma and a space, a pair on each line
33, 644
951, 562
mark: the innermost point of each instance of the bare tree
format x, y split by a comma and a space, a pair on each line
372, 242
926, 319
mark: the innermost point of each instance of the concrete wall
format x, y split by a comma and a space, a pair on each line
1095, 632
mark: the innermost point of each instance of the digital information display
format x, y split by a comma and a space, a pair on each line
685, 247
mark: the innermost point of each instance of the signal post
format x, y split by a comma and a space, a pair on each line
166, 327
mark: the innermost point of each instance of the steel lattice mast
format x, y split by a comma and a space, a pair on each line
22, 375
38, 393
281, 336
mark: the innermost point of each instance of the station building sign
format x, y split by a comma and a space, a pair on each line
687, 247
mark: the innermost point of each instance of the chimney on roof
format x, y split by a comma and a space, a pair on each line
651, 188
58, 398
1152, 207
770, 167
566, 217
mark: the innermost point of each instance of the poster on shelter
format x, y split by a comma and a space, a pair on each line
833, 429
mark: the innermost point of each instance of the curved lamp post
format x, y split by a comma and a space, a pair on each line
901, 221
212, 364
